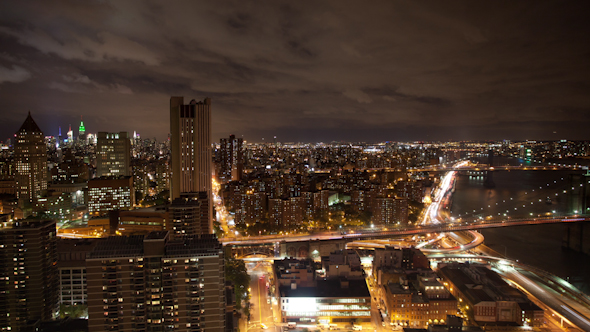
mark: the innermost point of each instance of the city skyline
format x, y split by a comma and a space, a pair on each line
275, 166
332, 71
119, 254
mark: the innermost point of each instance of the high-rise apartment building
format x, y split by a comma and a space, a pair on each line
7, 174
113, 154
162, 175
286, 212
30, 156
110, 193
320, 200
141, 169
189, 214
28, 269
390, 210
190, 129
71, 263
156, 282
231, 158
251, 206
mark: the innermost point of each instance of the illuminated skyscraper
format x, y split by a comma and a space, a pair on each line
190, 129
70, 135
81, 130
113, 154
30, 156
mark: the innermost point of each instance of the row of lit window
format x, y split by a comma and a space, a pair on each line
329, 313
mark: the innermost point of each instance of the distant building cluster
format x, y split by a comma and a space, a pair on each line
156, 266
288, 185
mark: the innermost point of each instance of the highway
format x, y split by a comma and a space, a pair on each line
377, 233
563, 305
550, 292
556, 296
497, 168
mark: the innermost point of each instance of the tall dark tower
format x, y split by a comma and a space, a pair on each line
29, 290
231, 157
190, 129
30, 156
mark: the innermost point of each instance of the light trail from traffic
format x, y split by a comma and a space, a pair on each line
567, 306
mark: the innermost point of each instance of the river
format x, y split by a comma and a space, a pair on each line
536, 245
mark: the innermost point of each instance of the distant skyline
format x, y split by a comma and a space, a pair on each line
302, 71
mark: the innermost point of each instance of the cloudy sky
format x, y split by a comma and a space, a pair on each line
301, 70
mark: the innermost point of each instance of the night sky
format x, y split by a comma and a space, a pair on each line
304, 71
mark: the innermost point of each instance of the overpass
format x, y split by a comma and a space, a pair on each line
478, 167
377, 233
483, 167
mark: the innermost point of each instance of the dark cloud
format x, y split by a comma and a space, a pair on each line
14, 74
303, 71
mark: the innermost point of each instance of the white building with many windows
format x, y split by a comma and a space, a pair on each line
110, 193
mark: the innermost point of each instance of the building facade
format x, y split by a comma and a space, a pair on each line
190, 127
189, 214
390, 210
488, 298
156, 283
110, 193
28, 269
30, 157
418, 302
231, 158
334, 297
191, 163
72, 254
113, 154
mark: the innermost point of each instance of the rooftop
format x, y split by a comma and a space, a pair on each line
328, 288
30, 126
480, 284
133, 245
26, 224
